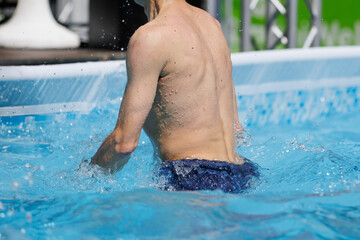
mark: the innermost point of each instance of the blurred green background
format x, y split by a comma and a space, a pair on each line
340, 23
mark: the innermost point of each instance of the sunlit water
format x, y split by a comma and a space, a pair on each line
307, 144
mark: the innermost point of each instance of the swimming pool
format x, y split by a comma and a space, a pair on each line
301, 113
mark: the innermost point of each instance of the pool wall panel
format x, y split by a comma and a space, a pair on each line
265, 81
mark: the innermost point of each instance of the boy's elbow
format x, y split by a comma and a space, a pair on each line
125, 148
124, 145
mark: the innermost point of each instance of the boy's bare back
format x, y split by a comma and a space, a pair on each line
180, 89
193, 112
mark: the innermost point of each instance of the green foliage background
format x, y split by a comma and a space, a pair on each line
340, 23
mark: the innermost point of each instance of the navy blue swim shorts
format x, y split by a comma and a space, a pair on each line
196, 174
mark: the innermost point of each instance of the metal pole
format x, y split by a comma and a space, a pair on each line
292, 22
228, 22
317, 14
213, 7
245, 25
270, 16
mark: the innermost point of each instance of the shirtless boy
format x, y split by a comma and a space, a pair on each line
181, 92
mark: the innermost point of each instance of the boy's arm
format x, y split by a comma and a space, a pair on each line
144, 65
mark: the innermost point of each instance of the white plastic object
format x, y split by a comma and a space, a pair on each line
34, 26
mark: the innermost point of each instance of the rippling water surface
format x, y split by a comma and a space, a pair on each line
309, 185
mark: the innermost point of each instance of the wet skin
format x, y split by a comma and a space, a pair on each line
180, 89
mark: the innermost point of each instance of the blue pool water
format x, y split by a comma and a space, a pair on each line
309, 188
305, 136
